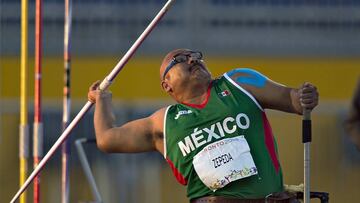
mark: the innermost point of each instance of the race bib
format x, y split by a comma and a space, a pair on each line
224, 161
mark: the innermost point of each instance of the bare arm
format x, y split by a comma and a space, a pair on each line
136, 136
273, 95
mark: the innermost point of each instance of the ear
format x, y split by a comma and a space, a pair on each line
166, 87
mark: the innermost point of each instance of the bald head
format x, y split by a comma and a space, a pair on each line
168, 58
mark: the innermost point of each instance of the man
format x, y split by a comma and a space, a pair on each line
352, 122
217, 139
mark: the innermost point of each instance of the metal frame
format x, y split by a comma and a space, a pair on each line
86, 167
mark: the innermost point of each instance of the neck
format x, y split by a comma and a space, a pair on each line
197, 95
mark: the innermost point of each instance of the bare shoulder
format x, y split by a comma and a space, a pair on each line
158, 115
248, 78
266, 91
157, 121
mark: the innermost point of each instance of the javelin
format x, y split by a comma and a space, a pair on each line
24, 127
38, 126
104, 85
306, 140
65, 154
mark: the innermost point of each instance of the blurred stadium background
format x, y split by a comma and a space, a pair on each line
290, 41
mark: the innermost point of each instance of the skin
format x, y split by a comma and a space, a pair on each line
186, 83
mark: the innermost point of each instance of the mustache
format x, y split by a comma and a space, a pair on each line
196, 64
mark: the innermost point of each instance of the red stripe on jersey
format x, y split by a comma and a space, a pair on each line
202, 105
179, 177
269, 141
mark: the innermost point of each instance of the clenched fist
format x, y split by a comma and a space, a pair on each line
95, 93
308, 96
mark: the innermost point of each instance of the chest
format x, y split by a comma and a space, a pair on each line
227, 114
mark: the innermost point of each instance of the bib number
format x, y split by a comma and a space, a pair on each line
224, 161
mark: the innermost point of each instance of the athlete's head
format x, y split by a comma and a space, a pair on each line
182, 70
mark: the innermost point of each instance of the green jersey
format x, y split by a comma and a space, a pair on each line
229, 112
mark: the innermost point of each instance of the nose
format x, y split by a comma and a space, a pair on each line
193, 60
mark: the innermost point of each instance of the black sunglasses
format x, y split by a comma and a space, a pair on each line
180, 58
